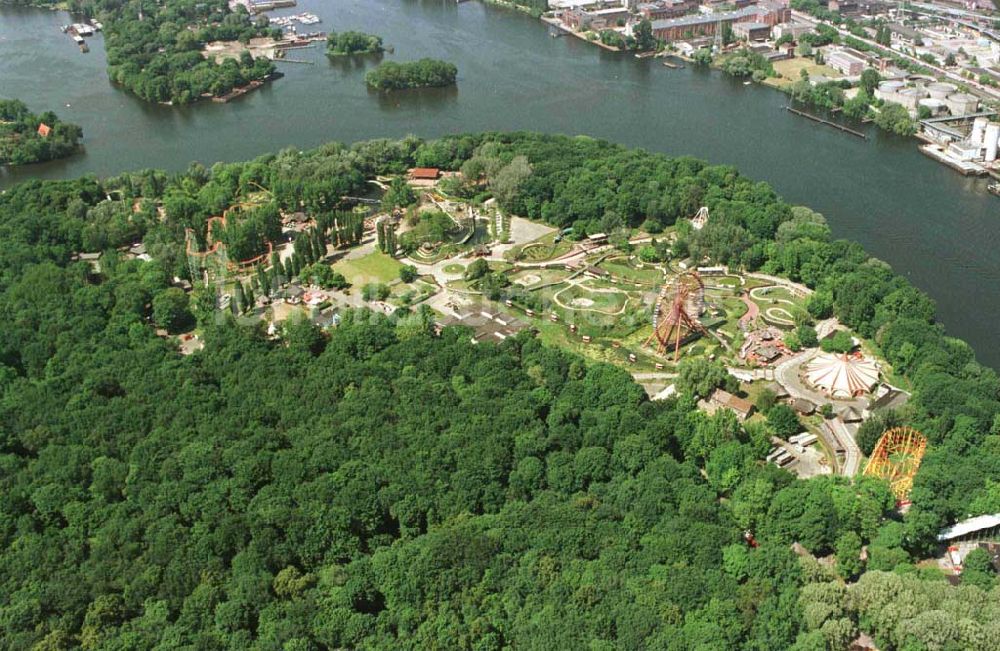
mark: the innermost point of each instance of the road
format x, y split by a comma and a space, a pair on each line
787, 374
852, 453
971, 83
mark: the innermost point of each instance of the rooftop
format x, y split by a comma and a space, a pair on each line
971, 525
726, 399
425, 173
701, 19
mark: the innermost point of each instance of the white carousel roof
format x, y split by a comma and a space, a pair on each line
841, 376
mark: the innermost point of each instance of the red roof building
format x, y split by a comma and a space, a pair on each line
425, 173
44, 130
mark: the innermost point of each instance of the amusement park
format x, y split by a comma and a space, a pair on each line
643, 301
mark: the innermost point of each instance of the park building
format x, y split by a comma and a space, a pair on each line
842, 375
979, 532
724, 400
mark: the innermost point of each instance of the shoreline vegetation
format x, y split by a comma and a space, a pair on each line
27, 138
353, 43
861, 106
316, 488
423, 73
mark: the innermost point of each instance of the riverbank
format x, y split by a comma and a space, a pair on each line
557, 24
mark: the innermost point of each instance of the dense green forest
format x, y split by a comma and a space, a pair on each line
379, 486
154, 48
411, 74
352, 43
21, 142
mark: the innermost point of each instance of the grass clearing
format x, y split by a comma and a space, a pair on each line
791, 71
375, 267
622, 268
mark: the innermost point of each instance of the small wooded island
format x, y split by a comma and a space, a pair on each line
424, 73
28, 138
347, 43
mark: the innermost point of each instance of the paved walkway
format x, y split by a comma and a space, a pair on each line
753, 311
784, 282
844, 436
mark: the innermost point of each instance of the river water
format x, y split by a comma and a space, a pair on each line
934, 226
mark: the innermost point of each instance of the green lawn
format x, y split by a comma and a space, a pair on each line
375, 267
534, 277
624, 269
579, 298
545, 248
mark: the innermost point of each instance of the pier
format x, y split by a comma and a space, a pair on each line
963, 167
816, 118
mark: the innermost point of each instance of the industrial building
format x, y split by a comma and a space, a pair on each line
752, 31
846, 62
665, 9
767, 13
968, 143
583, 19
795, 30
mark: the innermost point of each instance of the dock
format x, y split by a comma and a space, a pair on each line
965, 168
816, 118
238, 92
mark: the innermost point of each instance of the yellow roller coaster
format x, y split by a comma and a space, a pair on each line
896, 458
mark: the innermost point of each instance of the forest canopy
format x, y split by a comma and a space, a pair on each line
377, 485
412, 74
346, 43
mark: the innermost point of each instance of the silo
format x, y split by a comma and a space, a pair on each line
992, 142
909, 97
887, 90
941, 89
935, 106
976, 136
962, 103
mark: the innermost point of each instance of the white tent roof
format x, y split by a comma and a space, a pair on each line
969, 526
841, 376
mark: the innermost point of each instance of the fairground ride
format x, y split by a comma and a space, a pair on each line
675, 316
896, 458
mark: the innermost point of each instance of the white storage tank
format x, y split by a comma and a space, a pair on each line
976, 135
962, 103
992, 141
941, 89
909, 97
935, 106
886, 91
